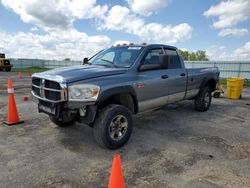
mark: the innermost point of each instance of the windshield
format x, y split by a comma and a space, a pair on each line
123, 56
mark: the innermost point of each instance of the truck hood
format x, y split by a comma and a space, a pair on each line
79, 72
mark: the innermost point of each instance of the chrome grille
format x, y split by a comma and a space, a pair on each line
48, 90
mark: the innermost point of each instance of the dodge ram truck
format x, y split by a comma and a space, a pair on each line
116, 83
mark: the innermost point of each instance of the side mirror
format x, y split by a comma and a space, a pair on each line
85, 61
165, 61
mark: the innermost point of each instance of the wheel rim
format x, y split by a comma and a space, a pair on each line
207, 99
118, 127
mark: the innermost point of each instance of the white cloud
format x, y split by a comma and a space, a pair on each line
56, 17
233, 32
146, 8
50, 14
243, 52
62, 40
54, 45
34, 29
216, 52
229, 13
121, 19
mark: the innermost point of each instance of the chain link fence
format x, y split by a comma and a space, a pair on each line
227, 68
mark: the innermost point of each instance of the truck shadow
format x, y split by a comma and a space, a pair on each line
172, 123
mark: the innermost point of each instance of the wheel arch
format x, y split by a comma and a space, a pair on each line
211, 82
123, 95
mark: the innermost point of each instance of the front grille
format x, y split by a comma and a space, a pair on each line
48, 90
36, 90
51, 95
52, 84
36, 81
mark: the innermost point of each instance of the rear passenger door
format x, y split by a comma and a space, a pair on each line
177, 77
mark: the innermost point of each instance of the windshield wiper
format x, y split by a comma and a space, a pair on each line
111, 62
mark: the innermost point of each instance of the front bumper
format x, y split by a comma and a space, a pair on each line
66, 110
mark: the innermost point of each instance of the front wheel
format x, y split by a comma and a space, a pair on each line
113, 126
61, 123
203, 101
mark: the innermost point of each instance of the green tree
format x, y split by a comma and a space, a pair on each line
201, 55
67, 59
184, 54
192, 57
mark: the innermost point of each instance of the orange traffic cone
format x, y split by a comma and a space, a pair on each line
116, 178
20, 75
13, 117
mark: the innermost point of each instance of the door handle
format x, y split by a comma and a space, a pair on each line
182, 74
164, 77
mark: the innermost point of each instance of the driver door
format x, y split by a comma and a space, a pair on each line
151, 85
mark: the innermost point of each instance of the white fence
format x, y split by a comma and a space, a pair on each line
25, 63
227, 68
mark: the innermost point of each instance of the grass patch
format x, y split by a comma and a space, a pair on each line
223, 81
30, 69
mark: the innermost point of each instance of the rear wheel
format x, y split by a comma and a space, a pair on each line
113, 126
8, 69
203, 101
61, 123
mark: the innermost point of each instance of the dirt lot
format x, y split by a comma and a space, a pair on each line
174, 146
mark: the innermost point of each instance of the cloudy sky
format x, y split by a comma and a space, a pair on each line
56, 29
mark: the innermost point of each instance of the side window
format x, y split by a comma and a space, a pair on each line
109, 56
153, 57
175, 62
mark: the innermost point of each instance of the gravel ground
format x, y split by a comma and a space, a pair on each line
174, 146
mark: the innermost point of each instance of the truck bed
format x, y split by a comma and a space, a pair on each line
197, 75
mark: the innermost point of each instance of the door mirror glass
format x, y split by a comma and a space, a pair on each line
85, 61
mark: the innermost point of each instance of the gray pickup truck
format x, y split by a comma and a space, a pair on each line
118, 82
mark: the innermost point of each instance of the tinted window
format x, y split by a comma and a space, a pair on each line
175, 62
153, 56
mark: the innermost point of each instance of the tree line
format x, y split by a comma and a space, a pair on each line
199, 55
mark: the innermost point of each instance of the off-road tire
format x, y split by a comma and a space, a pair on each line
103, 122
61, 123
200, 102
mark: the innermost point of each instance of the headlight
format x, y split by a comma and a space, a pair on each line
84, 92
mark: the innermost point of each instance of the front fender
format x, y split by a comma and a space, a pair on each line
116, 91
